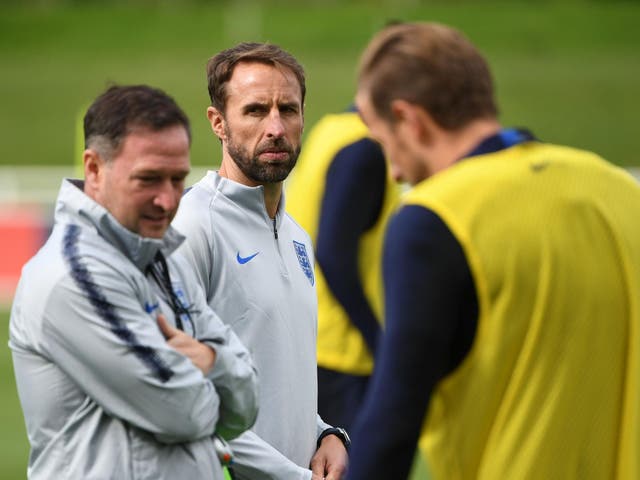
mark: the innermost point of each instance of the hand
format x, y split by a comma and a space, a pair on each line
330, 460
201, 355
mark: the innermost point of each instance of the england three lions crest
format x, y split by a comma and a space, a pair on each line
303, 259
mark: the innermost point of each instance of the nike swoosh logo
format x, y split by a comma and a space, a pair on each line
243, 260
538, 167
150, 307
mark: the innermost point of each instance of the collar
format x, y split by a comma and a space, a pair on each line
505, 138
74, 206
248, 198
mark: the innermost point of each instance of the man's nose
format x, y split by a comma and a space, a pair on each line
275, 125
167, 196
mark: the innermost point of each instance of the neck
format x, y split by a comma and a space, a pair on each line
454, 145
272, 196
272, 191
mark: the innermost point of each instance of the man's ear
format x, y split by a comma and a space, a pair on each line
414, 119
94, 165
216, 119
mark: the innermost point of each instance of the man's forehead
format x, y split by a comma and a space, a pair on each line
166, 147
253, 81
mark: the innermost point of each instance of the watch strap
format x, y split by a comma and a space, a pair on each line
341, 433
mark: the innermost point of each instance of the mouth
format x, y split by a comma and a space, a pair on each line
153, 226
156, 219
274, 155
277, 151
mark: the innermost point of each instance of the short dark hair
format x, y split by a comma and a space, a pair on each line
431, 65
120, 109
220, 67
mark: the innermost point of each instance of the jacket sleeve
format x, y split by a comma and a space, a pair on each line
322, 426
255, 458
233, 375
350, 207
97, 332
236, 382
427, 337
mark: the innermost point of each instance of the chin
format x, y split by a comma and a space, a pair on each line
155, 235
153, 232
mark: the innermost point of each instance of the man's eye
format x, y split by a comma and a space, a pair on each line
255, 110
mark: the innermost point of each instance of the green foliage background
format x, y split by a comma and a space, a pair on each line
568, 70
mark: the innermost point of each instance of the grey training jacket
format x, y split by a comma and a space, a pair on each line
258, 272
103, 395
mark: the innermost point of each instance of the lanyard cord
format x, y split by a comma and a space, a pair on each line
159, 270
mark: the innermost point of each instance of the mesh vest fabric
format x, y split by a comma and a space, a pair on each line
550, 387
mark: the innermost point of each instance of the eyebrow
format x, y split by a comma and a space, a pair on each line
254, 105
148, 172
266, 105
294, 105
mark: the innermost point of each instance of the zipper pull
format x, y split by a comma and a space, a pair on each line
275, 229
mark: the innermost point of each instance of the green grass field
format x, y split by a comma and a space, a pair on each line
568, 70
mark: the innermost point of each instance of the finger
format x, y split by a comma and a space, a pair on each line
332, 476
167, 330
335, 471
317, 470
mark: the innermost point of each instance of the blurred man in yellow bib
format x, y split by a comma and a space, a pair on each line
512, 284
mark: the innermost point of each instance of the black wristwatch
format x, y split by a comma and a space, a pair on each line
341, 433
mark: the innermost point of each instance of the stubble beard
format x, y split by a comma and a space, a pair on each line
260, 172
